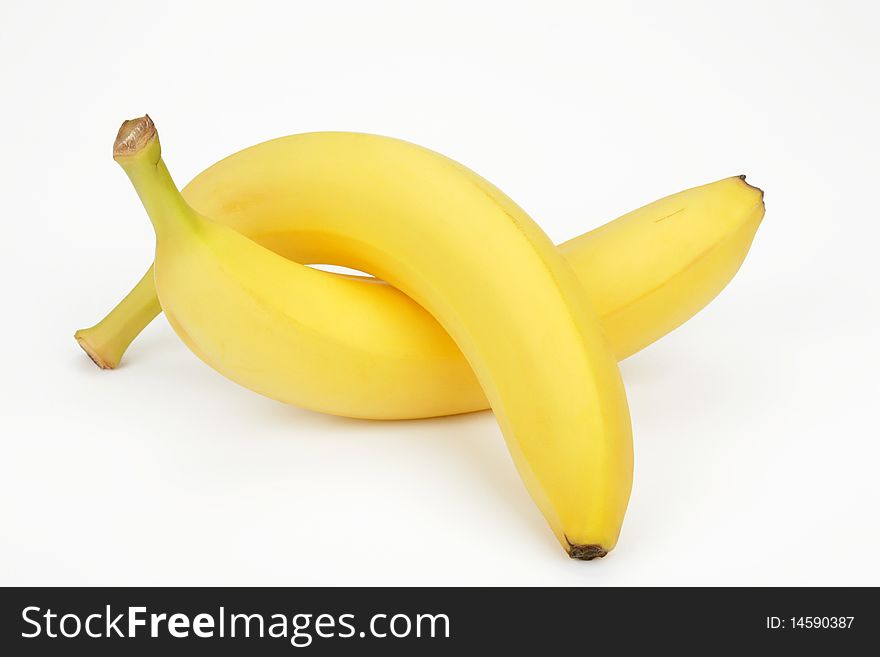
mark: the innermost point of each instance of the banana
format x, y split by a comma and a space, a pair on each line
443, 236
649, 272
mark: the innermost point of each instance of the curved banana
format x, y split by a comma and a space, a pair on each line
444, 236
649, 271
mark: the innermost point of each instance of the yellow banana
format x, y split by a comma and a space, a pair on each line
648, 271
444, 236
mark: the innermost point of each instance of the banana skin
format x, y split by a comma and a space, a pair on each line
445, 237
649, 271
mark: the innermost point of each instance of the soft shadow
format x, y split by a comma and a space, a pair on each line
466, 438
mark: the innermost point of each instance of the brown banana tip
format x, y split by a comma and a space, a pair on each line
133, 136
586, 552
91, 352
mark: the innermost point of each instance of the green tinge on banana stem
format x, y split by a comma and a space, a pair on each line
106, 341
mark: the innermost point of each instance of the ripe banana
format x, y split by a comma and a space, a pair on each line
649, 271
442, 235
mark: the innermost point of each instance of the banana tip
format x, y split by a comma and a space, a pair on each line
91, 352
133, 136
586, 552
742, 177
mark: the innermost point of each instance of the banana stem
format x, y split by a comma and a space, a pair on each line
138, 152
106, 341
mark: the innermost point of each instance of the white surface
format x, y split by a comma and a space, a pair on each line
755, 424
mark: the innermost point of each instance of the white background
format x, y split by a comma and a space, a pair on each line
756, 424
